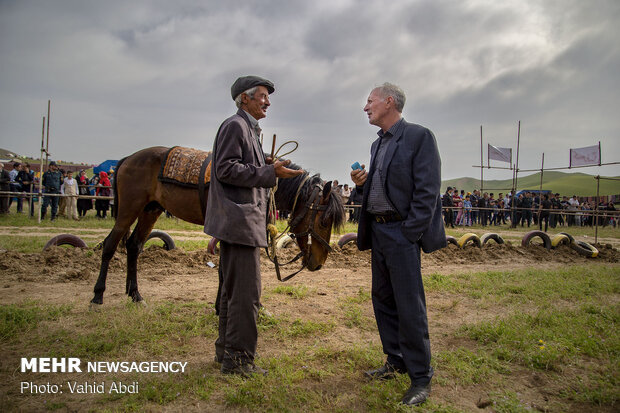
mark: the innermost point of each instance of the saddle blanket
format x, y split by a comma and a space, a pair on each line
182, 166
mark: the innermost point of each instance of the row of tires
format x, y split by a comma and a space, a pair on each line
562, 238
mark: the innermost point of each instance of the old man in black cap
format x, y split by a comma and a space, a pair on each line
237, 215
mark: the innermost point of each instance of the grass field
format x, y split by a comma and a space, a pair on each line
522, 337
505, 338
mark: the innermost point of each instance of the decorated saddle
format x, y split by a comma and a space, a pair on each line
186, 167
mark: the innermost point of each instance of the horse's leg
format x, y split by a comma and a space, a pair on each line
109, 248
143, 228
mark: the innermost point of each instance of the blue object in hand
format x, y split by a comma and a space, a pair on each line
356, 165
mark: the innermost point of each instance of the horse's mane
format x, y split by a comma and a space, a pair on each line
287, 188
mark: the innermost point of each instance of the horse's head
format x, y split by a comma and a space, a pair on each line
317, 210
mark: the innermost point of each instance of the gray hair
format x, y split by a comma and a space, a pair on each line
250, 92
389, 89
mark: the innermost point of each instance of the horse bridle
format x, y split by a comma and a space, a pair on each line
313, 206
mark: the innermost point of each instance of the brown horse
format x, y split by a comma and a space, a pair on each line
140, 195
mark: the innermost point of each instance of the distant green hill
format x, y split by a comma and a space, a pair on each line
577, 183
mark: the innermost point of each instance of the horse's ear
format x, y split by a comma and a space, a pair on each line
327, 189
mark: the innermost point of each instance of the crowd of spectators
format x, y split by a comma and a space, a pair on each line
66, 194
527, 208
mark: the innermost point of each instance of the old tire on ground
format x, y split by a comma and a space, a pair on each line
533, 234
570, 237
470, 236
584, 249
168, 241
560, 239
491, 236
284, 241
212, 247
451, 240
66, 239
347, 238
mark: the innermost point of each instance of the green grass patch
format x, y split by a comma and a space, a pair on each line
549, 339
16, 320
296, 291
305, 328
467, 367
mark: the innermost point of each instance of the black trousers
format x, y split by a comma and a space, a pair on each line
238, 303
543, 217
398, 301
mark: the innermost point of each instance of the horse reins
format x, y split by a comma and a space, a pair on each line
313, 205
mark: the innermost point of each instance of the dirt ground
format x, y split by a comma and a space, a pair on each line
67, 275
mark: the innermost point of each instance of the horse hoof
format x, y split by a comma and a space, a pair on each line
141, 303
94, 307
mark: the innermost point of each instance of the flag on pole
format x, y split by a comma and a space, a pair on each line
500, 154
589, 155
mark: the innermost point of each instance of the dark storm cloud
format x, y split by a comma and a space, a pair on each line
136, 74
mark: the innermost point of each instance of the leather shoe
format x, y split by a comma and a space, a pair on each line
245, 370
417, 394
385, 372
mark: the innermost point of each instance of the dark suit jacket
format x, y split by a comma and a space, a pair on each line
238, 194
412, 183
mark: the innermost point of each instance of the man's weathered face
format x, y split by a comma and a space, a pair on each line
377, 107
257, 105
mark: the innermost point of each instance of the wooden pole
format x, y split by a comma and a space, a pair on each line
273, 147
542, 171
47, 145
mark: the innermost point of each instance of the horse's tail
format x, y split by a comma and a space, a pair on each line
115, 185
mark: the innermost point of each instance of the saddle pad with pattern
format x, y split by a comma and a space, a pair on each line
182, 166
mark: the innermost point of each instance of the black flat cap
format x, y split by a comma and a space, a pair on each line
52, 163
247, 82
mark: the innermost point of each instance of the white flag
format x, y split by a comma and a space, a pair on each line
500, 154
590, 155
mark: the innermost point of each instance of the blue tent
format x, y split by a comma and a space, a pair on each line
105, 166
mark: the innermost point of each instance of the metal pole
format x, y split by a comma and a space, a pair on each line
481, 162
40, 171
514, 180
598, 181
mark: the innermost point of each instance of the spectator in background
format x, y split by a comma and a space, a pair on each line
543, 212
52, 179
346, 193
15, 186
62, 201
26, 177
69, 189
475, 214
447, 202
573, 206
526, 209
355, 199
336, 188
467, 211
103, 189
5, 180
83, 204
483, 204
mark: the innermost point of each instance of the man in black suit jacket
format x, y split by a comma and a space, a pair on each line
401, 213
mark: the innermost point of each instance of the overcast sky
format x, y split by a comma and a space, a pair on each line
125, 75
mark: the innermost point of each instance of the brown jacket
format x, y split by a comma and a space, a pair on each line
238, 192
